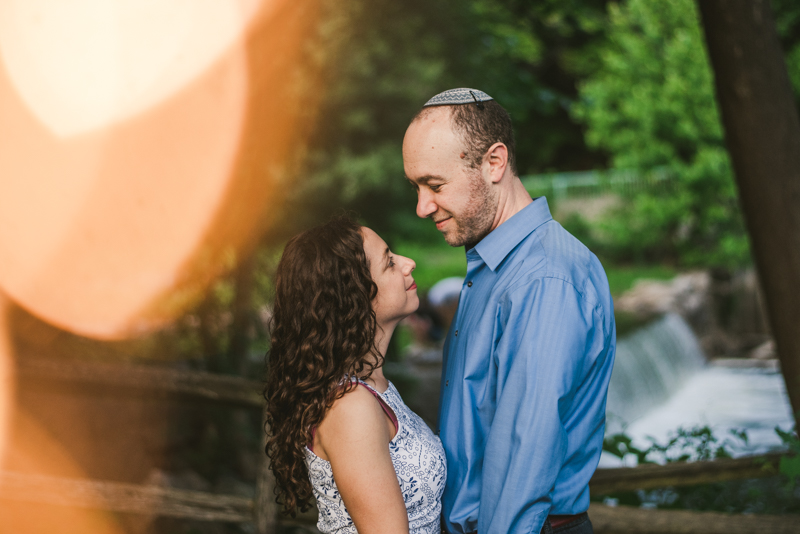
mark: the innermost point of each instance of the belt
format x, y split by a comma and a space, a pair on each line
561, 520
555, 521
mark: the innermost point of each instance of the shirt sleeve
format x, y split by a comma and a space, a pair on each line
544, 332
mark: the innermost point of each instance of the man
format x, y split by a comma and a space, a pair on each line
529, 354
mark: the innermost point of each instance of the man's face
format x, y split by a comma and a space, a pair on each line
458, 198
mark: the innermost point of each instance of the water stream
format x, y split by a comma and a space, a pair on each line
650, 365
661, 382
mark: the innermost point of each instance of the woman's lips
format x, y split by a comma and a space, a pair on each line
412, 286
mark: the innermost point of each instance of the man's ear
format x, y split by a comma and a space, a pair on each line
497, 160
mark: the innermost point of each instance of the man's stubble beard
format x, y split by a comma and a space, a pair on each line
476, 221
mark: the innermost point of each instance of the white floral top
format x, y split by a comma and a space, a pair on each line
419, 461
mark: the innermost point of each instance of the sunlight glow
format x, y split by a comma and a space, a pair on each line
6, 377
85, 64
142, 144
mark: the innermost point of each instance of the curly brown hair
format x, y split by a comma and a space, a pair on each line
323, 329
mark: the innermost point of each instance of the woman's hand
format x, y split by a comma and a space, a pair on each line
354, 437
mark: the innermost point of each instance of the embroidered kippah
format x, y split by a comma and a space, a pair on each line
462, 95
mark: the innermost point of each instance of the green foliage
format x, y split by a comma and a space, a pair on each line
766, 496
385, 59
787, 22
790, 463
651, 105
695, 444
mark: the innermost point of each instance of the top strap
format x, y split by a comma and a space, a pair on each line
386, 408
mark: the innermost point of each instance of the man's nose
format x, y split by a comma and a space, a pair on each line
425, 204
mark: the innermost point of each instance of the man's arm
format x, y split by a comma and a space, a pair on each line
548, 335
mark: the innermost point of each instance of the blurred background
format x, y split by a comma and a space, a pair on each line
156, 156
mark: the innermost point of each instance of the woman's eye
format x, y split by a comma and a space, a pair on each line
391, 261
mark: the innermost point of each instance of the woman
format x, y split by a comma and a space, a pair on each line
338, 428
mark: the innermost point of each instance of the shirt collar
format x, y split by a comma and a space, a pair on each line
494, 248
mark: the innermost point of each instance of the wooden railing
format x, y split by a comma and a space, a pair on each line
262, 510
147, 499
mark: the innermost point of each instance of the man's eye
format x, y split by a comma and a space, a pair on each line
435, 188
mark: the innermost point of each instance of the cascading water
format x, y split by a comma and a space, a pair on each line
661, 382
649, 366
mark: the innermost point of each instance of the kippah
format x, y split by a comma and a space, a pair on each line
462, 95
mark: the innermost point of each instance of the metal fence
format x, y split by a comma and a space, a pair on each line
588, 184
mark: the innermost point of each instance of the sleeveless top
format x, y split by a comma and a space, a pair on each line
418, 459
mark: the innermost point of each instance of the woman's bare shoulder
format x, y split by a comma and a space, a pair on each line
358, 405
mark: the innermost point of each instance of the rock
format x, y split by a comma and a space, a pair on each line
685, 294
765, 351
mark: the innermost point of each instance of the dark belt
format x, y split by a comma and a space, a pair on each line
554, 520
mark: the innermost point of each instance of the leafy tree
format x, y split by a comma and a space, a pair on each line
651, 106
386, 58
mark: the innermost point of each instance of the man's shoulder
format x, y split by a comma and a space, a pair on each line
555, 252
552, 255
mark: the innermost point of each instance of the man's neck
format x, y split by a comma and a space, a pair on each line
511, 201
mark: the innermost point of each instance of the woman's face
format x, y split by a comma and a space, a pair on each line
397, 292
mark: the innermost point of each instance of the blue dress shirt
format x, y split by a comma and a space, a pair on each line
526, 368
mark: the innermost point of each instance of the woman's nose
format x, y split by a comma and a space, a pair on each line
409, 266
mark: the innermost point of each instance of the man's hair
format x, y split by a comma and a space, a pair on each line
480, 128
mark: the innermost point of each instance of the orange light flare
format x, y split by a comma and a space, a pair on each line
142, 144
6, 377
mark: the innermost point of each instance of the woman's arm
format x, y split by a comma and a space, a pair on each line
354, 437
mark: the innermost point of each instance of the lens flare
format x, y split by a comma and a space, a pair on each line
6, 377
142, 142
82, 65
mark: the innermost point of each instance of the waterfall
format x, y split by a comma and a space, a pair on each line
650, 365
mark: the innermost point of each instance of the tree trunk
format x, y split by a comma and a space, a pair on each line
762, 132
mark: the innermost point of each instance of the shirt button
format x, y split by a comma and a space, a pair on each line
447, 383
456, 333
469, 284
